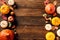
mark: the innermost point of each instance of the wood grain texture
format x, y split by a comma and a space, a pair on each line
31, 32
32, 3
29, 12
29, 18
32, 10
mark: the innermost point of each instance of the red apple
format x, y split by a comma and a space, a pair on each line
50, 8
10, 18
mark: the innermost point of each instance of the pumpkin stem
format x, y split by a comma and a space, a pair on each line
7, 34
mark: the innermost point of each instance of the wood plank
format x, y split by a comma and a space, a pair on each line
32, 39
29, 12
32, 3
30, 20
30, 29
29, 3
31, 32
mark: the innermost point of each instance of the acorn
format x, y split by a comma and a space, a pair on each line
12, 13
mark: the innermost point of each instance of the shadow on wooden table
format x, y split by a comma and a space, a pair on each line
16, 37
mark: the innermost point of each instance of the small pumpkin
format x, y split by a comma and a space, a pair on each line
4, 24
6, 34
48, 26
58, 32
50, 36
50, 8
4, 9
58, 9
55, 21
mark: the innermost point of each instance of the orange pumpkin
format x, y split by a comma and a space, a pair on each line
55, 21
50, 8
50, 36
4, 9
6, 35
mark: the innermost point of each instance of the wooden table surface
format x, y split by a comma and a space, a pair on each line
30, 20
